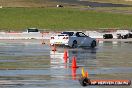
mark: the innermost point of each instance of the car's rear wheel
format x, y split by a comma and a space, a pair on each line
74, 45
93, 44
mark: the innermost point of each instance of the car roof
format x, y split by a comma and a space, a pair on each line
72, 31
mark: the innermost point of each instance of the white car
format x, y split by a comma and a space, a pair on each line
73, 39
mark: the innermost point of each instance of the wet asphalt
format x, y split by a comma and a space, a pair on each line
92, 4
29, 64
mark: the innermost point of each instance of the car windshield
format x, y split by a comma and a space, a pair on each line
68, 33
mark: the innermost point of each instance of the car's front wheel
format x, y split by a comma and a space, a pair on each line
93, 44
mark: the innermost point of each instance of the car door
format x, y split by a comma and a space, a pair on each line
82, 39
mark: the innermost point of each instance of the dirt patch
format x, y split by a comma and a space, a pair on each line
27, 3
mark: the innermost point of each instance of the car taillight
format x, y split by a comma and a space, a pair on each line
65, 37
52, 37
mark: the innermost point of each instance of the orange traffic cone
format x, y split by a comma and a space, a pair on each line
43, 41
86, 74
54, 48
65, 56
74, 65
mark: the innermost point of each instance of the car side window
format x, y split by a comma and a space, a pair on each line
77, 34
80, 34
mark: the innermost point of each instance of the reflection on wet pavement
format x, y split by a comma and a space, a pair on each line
36, 66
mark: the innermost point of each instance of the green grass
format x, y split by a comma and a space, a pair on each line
61, 19
27, 3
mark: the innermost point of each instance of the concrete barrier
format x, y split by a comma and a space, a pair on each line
25, 35
46, 35
94, 34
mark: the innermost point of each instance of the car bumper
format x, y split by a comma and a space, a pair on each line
58, 43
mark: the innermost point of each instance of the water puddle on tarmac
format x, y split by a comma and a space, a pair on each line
37, 66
